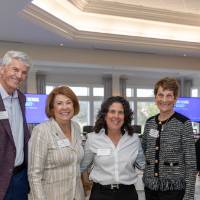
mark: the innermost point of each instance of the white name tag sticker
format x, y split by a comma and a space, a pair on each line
3, 115
63, 143
154, 133
103, 152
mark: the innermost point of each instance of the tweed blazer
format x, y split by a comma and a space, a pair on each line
198, 153
53, 166
176, 164
7, 146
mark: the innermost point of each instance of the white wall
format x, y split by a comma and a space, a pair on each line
86, 65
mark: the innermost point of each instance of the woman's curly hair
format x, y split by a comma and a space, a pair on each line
128, 115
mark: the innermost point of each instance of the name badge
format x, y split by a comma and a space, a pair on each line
63, 143
103, 152
154, 133
3, 115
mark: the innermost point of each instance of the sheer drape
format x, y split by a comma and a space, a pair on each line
41, 83
123, 87
185, 87
107, 81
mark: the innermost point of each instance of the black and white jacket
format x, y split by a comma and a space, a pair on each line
169, 148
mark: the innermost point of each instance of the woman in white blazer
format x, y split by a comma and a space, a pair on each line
55, 151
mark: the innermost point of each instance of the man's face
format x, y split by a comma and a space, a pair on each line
12, 75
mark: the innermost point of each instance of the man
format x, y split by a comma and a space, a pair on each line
14, 134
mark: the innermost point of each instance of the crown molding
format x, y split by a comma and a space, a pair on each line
48, 21
80, 4
134, 11
65, 30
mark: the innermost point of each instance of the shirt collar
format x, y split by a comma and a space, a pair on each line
5, 95
102, 131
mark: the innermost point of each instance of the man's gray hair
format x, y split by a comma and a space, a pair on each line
19, 55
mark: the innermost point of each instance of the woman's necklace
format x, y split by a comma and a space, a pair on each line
165, 121
163, 125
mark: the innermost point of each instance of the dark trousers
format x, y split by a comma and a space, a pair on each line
18, 187
125, 193
164, 195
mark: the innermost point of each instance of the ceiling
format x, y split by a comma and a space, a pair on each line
24, 23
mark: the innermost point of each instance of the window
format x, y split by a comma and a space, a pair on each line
194, 92
144, 111
84, 115
142, 104
49, 88
145, 92
97, 106
98, 91
80, 91
130, 92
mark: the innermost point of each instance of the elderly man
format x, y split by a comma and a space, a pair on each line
14, 134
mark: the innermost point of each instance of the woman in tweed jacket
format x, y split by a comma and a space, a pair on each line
169, 148
55, 151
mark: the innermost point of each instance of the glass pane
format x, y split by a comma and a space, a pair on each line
49, 88
194, 92
83, 118
97, 91
145, 93
129, 92
97, 106
132, 107
144, 111
81, 91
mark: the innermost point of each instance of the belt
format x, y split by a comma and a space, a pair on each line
171, 164
19, 168
113, 186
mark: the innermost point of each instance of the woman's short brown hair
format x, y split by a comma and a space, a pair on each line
66, 91
167, 83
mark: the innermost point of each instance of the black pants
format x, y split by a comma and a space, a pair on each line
164, 195
123, 193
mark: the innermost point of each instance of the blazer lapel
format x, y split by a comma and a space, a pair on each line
5, 122
22, 101
57, 130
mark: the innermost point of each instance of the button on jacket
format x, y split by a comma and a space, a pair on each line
54, 165
113, 164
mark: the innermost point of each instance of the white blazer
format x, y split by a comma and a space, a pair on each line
54, 163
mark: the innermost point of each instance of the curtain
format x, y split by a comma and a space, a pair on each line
107, 87
123, 87
185, 87
41, 83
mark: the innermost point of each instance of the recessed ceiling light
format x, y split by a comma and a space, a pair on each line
61, 44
